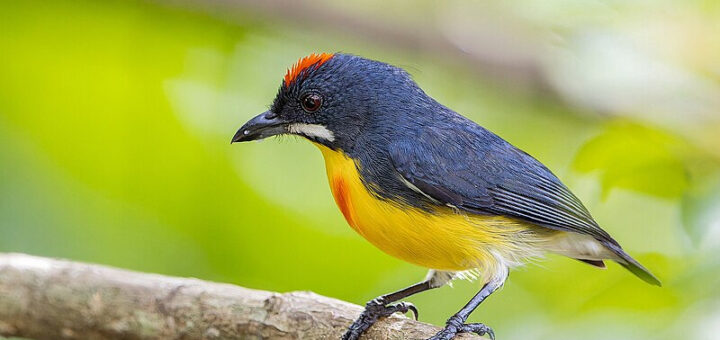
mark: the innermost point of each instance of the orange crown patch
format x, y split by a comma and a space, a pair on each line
313, 60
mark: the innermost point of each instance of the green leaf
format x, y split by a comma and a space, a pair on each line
638, 158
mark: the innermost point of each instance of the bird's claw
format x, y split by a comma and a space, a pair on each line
479, 329
453, 327
374, 310
407, 306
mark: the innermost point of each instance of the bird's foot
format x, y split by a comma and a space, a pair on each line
455, 325
374, 310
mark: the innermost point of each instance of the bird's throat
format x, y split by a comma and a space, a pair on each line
343, 178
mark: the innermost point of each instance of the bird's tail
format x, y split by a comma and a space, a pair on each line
632, 265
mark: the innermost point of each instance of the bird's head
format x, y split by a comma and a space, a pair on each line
333, 99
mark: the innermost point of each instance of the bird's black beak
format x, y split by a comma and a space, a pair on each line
266, 124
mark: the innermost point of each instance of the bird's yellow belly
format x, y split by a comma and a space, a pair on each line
444, 239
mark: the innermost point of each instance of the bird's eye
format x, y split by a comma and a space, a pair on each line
311, 102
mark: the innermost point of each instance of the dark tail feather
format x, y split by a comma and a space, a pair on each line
633, 266
596, 263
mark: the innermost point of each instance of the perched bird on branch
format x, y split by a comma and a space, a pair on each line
427, 185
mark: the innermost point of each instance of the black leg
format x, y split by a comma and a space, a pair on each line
456, 324
380, 307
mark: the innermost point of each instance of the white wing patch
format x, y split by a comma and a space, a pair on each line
312, 130
416, 189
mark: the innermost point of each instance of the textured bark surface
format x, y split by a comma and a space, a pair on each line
43, 298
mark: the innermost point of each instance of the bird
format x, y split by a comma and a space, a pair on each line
427, 185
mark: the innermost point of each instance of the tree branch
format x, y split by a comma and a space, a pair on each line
45, 298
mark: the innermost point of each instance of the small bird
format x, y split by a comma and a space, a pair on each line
428, 185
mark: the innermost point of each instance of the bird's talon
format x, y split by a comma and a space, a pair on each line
402, 307
479, 329
375, 310
453, 328
414, 310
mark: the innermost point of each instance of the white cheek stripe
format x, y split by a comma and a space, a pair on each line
312, 130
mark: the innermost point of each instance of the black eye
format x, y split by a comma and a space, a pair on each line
311, 102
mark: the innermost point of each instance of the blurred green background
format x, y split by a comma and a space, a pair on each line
116, 116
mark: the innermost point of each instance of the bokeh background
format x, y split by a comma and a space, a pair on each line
116, 117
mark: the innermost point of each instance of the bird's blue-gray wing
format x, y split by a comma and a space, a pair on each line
478, 172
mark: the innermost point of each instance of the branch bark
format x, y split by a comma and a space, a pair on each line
44, 298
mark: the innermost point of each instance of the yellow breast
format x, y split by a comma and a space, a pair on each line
443, 240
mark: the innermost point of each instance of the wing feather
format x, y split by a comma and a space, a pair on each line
480, 173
